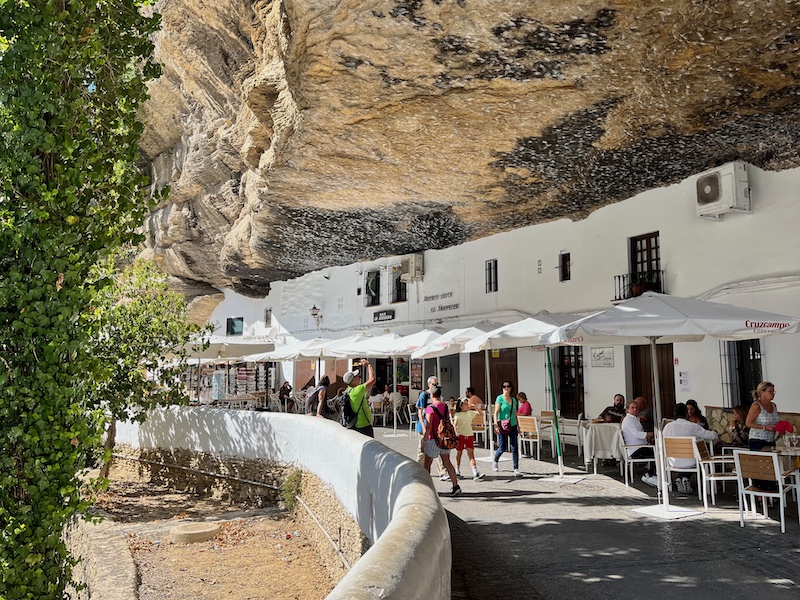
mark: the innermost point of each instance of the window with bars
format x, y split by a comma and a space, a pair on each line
491, 275
740, 371
564, 267
399, 291
372, 288
268, 317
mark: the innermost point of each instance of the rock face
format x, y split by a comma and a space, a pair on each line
300, 134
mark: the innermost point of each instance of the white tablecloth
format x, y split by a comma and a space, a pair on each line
602, 441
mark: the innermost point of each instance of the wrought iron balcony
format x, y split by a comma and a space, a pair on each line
631, 285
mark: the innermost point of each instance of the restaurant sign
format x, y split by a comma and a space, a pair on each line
383, 315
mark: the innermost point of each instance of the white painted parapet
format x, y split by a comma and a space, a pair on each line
390, 496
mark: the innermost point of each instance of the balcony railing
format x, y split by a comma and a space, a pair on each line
631, 285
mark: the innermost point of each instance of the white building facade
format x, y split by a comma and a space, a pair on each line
655, 240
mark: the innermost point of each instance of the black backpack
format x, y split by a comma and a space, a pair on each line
347, 416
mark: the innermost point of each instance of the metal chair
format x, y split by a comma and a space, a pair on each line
628, 462
413, 417
762, 466
570, 432
480, 428
708, 467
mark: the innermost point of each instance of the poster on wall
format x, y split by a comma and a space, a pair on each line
603, 357
416, 374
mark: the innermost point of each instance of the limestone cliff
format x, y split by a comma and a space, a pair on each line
299, 134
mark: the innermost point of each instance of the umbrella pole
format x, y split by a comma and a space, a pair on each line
488, 403
660, 467
394, 394
555, 414
198, 381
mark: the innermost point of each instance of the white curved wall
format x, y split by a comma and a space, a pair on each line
391, 497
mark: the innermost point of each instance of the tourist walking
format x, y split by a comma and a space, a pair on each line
505, 426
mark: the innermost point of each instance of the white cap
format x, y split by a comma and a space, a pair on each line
350, 375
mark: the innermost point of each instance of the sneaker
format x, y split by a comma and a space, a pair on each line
680, 482
687, 486
458, 473
517, 473
494, 466
456, 490
650, 479
445, 477
478, 477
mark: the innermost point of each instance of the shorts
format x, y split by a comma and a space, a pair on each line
433, 451
465, 441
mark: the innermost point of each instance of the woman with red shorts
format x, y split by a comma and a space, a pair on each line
462, 421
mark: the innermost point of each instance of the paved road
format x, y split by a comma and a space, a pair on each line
539, 538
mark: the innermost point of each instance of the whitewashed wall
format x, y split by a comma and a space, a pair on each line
747, 259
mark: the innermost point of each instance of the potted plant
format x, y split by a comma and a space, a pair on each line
644, 281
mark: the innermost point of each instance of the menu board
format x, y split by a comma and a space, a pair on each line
416, 374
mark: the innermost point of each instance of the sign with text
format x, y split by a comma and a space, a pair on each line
383, 315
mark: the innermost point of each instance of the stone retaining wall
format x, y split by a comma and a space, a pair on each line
391, 498
721, 419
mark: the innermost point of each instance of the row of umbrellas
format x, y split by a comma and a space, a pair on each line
649, 318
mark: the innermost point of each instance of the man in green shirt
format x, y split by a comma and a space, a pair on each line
358, 401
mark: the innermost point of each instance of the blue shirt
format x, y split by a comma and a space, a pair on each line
422, 403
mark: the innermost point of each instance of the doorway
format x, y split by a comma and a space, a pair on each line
642, 376
501, 367
569, 375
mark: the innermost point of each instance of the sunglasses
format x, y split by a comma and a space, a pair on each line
506, 386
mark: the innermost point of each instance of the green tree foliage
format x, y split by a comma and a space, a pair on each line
141, 329
72, 79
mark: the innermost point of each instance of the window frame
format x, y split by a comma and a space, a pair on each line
230, 326
491, 276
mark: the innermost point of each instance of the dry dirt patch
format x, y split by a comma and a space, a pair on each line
252, 558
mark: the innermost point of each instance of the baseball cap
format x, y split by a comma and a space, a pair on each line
350, 375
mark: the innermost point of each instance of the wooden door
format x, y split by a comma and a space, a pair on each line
643, 376
501, 368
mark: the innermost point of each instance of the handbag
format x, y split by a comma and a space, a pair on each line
446, 436
504, 425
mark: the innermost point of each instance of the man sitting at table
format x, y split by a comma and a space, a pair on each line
634, 434
681, 427
615, 413
645, 414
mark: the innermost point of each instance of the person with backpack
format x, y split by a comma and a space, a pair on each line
317, 400
437, 412
357, 392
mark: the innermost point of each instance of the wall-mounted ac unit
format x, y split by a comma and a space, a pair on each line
411, 267
722, 190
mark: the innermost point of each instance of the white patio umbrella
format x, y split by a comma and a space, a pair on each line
653, 317
227, 346
526, 332
450, 342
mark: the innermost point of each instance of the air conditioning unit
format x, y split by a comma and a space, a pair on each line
411, 267
723, 190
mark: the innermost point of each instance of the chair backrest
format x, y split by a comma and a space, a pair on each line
527, 425
412, 413
702, 448
478, 422
757, 465
681, 447
548, 413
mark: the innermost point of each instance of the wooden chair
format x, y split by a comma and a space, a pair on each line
528, 430
480, 428
685, 448
708, 467
763, 466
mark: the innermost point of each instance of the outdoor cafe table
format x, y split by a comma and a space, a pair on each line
602, 441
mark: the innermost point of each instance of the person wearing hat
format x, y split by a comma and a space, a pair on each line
358, 392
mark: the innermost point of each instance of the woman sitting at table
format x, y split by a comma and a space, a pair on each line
525, 409
740, 432
695, 415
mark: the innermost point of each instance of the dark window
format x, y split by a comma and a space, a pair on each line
491, 275
372, 289
400, 290
235, 326
645, 254
564, 267
268, 317
740, 362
